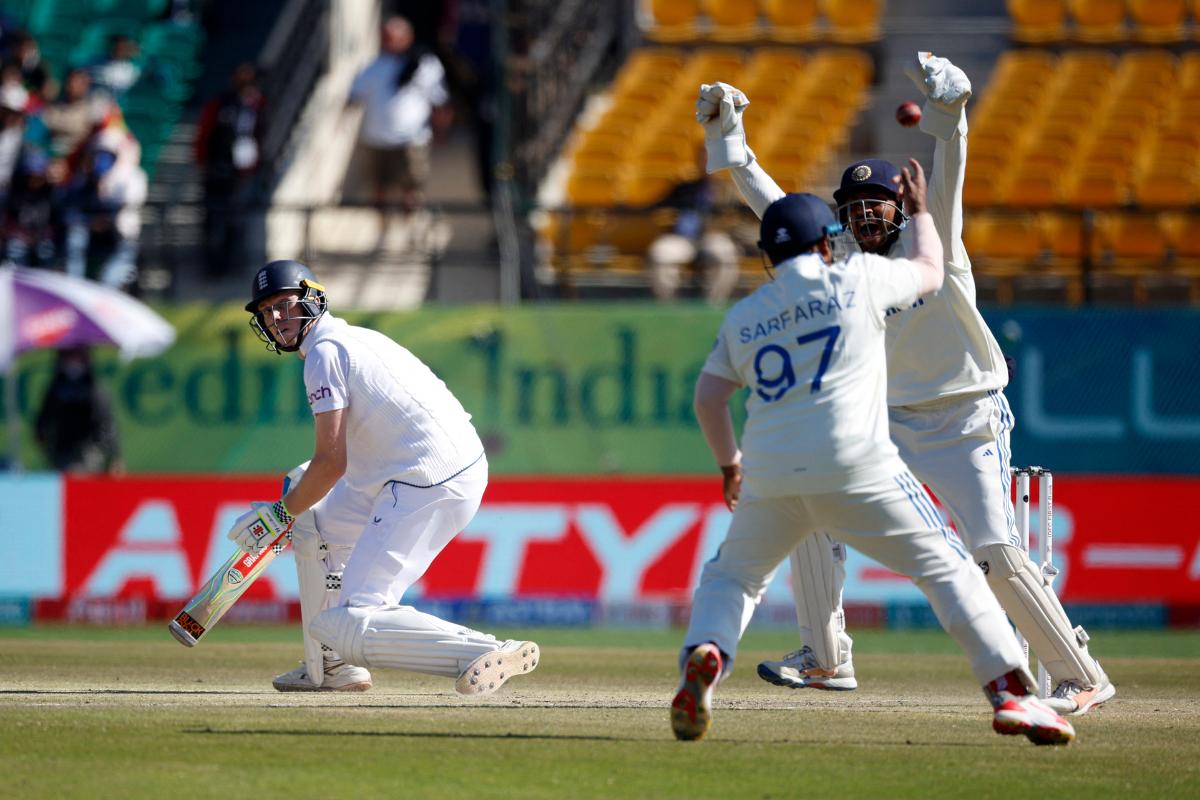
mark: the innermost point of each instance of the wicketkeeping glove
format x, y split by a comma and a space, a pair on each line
719, 109
939, 80
260, 526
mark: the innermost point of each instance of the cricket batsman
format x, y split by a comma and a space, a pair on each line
397, 472
947, 411
815, 456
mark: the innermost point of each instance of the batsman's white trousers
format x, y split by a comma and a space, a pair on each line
892, 521
396, 534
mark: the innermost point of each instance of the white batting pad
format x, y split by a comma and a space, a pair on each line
1037, 613
818, 575
401, 637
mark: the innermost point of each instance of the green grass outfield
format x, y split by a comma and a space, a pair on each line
129, 713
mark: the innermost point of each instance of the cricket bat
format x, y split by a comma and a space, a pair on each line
229, 582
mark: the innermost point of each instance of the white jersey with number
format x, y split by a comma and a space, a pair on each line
402, 423
939, 346
809, 345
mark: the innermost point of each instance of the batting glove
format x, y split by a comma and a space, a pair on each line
719, 109
939, 80
261, 525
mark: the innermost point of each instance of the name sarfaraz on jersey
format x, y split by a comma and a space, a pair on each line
817, 307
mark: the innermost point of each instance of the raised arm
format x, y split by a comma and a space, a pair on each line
946, 89
719, 109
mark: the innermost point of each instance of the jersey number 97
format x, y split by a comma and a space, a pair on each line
773, 365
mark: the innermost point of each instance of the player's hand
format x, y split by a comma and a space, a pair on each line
732, 484
939, 80
912, 188
259, 526
719, 109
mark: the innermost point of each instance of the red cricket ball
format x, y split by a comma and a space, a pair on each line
908, 114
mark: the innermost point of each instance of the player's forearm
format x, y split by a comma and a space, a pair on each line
321, 476
927, 253
711, 405
757, 188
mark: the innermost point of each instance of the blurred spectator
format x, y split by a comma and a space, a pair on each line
102, 203
31, 217
76, 427
693, 244
473, 77
117, 73
405, 100
12, 132
69, 118
227, 146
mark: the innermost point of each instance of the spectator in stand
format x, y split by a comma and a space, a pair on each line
28, 58
12, 132
405, 100
76, 427
103, 201
117, 73
31, 217
69, 118
694, 244
227, 148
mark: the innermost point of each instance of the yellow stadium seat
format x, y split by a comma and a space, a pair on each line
674, 20
1094, 188
1033, 186
708, 64
732, 20
572, 234
1065, 236
1158, 21
1007, 237
1093, 65
1165, 188
592, 187
852, 22
1098, 21
1132, 238
648, 184
790, 20
1038, 21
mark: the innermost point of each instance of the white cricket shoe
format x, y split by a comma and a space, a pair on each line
339, 677
1026, 714
799, 670
691, 710
490, 671
1071, 698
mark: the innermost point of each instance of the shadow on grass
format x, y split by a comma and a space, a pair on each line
933, 745
412, 735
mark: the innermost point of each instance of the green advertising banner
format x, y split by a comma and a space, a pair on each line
553, 389
607, 388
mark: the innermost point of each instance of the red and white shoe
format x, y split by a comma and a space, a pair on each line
1026, 714
691, 710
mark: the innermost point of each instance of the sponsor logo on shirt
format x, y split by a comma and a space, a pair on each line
319, 394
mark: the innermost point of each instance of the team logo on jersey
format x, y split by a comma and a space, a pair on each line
781, 236
860, 173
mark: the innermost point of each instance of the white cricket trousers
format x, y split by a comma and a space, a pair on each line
894, 522
396, 534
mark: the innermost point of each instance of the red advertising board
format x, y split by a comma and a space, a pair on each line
1121, 540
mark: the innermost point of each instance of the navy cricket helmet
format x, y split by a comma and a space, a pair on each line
793, 224
283, 276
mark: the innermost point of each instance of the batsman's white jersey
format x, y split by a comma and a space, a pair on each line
415, 469
403, 425
804, 344
948, 415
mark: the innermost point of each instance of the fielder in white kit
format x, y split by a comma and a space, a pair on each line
816, 457
947, 411
397, 472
